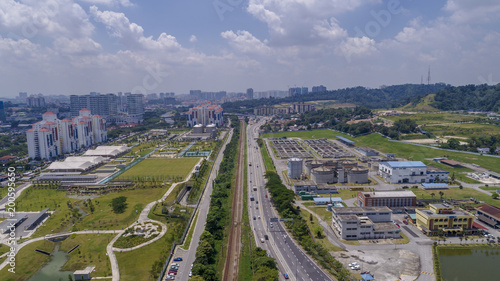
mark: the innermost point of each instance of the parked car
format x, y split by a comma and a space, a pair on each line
254, 218
178, 259
405, 222
285, 275
261, 240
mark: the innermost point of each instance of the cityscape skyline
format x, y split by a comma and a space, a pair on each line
75, 47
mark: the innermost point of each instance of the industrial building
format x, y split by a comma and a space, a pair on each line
389, 199
443, 218
52, 137
342, 171
403, 172
489, 214
205, 114
366, 151
77, 164
435, 174
83, 274
355, 223
294, 168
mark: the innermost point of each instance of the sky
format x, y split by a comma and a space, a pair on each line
151, 46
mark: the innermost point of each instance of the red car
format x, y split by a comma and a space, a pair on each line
405, 222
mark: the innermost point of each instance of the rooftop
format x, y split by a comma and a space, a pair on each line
344, 139
382, 226
347, 210
454, 213
383, 194
327, 199
434, 169
490, 210
404, 164
305, 182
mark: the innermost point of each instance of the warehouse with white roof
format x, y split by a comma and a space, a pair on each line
403, 172
77, 164
108, 151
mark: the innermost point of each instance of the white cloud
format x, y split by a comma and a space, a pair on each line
81, 46
131, 35
125, 3
471, 11
245, 42
52, 18
193, 39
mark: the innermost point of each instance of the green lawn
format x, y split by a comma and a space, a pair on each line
136, 265
28, 262
316, 134
457, 194
268, 161
323, 240
37, 199
161, 169
104, 217
132, 240
92, 251
434, 118
422, 153
464, 130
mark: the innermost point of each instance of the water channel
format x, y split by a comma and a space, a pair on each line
470, 264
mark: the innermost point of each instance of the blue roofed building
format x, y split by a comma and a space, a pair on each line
345, 141
403, 171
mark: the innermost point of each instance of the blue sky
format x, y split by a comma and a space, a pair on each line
78, 46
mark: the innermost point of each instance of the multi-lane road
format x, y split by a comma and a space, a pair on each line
289, 256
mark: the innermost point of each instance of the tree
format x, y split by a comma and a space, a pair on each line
494, 195
441, 194
70, 278
310, 217
432, 195
119, 204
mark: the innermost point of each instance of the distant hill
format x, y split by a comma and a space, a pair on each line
470, 97
423, 104
384, 97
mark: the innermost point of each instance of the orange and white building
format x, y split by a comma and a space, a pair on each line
52, 137
205, 114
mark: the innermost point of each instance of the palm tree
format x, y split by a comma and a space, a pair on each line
441, 194
432, 195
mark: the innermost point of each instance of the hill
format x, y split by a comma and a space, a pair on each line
470, 97
423, 104
383, 97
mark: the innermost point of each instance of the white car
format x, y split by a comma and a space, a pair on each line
190, 273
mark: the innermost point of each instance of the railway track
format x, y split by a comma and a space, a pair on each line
232, 262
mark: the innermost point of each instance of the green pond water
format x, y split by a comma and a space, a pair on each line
51, 271
470, 264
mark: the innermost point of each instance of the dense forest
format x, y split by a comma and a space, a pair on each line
383, 97
470, 97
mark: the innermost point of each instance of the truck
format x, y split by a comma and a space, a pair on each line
252, 198
254, 188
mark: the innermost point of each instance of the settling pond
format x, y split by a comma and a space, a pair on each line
470, 264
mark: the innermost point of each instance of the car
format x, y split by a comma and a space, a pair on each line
257, 202
258, 217
266, 237
271, 225
261, 240
178, 259
405, 187
405, 222
254, 218
190, 273
174, 264
257, 207
171, 277
397, 225
266, 195
285, 275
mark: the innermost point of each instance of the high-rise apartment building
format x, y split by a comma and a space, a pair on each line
318, 89
135, 105
3, 117
298, 91
35, 101
23, 96
205, 114
104, 105
52, 137
250, 93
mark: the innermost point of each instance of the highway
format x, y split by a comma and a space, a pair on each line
289, 256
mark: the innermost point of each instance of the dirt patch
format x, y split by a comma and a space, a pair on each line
383, 264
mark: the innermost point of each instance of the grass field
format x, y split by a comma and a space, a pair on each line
307, 135
268, 161
457, 194
92, 251
37, 199
161, 168
323, 240
189, 236
28, 262
434, 118
136, 265
104, 217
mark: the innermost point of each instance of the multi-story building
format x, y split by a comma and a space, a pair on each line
318, 89
354, 223
489, 214
23, 96
205, 114
35, 101
52, 137
249, 93
135, 106
298, 91
301, 107
435, 174
442, 218
403, 172
389, 199
104, 105
3, 117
